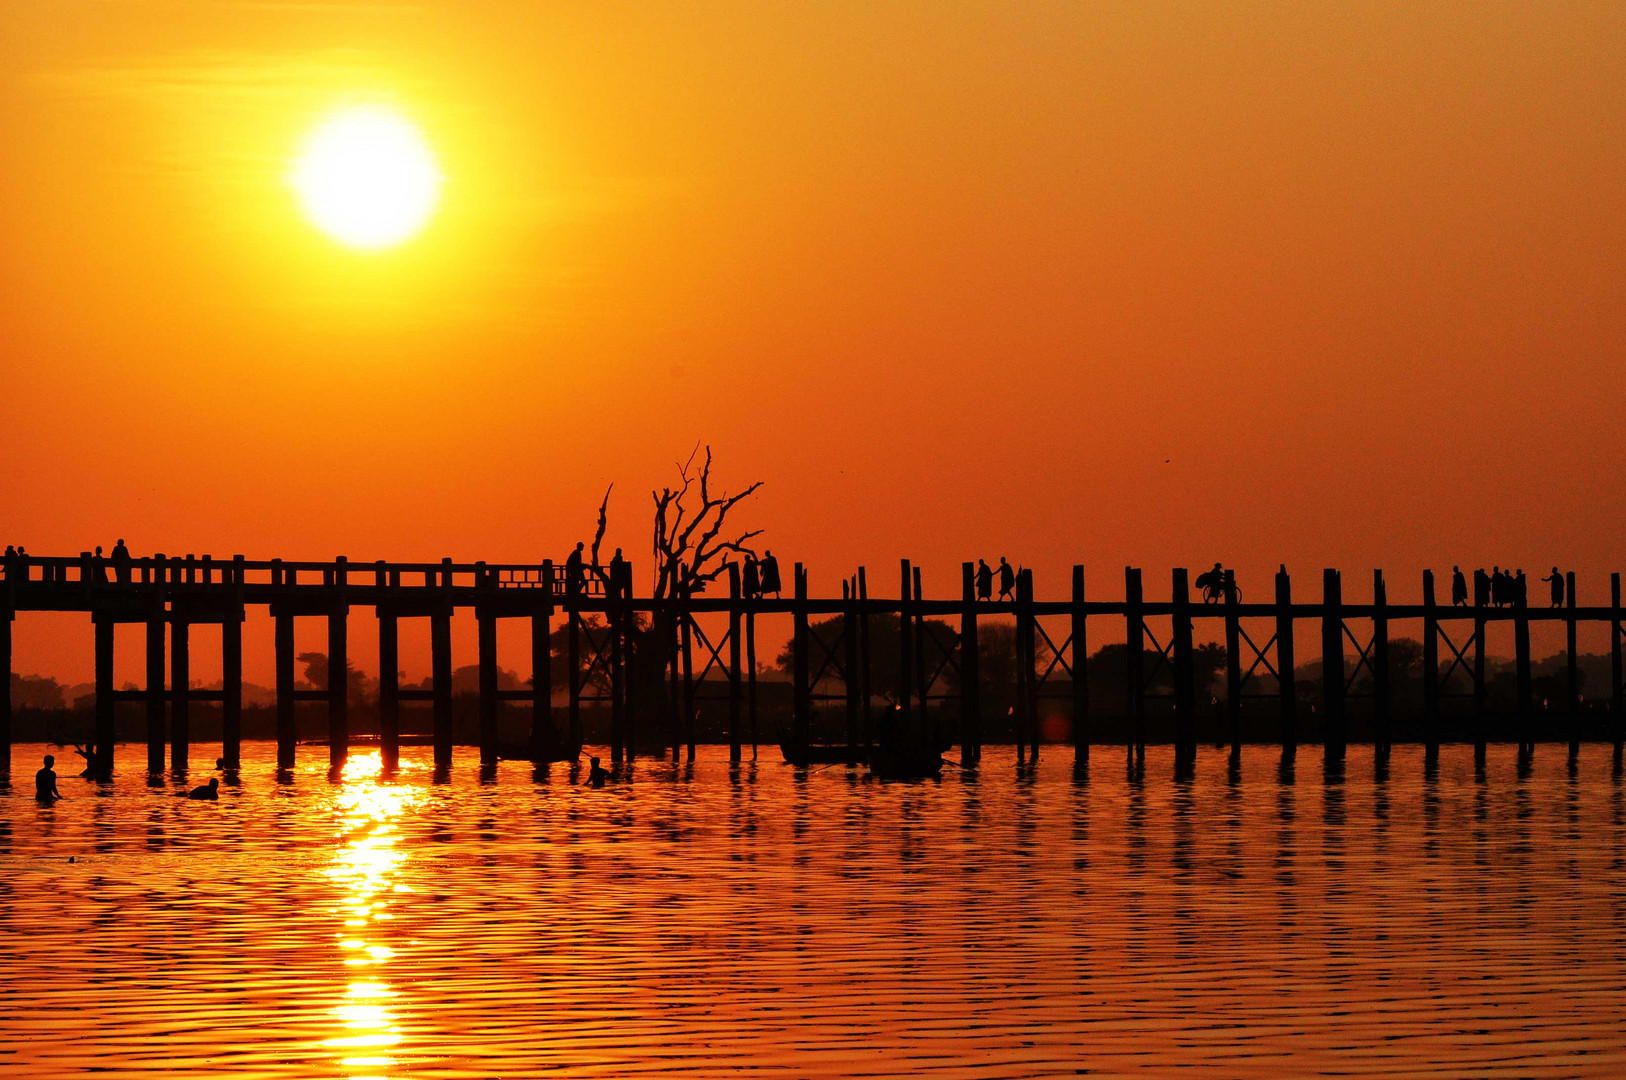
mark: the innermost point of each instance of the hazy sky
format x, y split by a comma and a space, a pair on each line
1323, 284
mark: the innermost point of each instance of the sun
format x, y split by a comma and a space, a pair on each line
367, 177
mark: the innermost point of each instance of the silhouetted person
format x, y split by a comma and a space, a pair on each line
597, 774
209, 792
770, 574
1498, 586
121, 562
1007, 580
616, 564
1212, 583
1459, 588
45, 783
1519, 588
573, 570
1482, 585
1557, 581
751, 578
88, 752
99, 567
985, 581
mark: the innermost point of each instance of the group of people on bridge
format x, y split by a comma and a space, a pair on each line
1501, 588
985, 580
16, 563
758, 577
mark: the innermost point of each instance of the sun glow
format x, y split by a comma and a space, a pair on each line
367, 177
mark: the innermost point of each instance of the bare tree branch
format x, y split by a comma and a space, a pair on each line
603, 522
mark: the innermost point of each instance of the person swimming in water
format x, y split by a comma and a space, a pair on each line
45, 783
210, 792
597, 774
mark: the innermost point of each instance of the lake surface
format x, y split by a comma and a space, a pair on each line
761, 921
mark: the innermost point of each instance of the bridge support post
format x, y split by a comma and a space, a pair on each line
231, 686
155, 691
800, 704
486, 624
735, 690
338, 686
1185, 674
1134, 652
1572, 670
544, 736
1284, 665
617, 615
180, 692
751, 677
866, 731
1233, 666
686, 640
1431, 672
1521, 666
1382, 697
6, 615
1081, 671
389, 689
573, 658
106, 723
1333, 732
440, 677
1027, 706
970, 673
1617, 685
1481, 720
901, 722
287, 709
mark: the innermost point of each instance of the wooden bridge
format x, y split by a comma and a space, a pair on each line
828, 672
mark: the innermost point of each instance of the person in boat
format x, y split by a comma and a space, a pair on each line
985, 581
45, 783
1007, 580
751, 578
770, 574
209, 792
1459, 588
596, 774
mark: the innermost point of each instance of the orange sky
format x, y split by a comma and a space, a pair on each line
1316, 284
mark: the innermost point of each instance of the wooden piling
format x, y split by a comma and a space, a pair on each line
736, 688
1027, 664
1333, 731
338, 686
573, 658
1617, 686
901, 722
180, 692
686, 625
970, 672
544, 737
440, 679
486, 624
751, 675
1382, 694
155, 691
231, 688
1572, 670
1288, 691
287, 729
106, 724
1185, 679
1233, 666
389, 689
1081, 671
849, 662
7, 614
1135, 646
801, 706
922, 679
866, 728
1431, 668
618, 618
1521, 664
1481, 716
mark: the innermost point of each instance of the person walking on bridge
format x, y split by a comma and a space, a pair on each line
985, 581
770, 575
573, 570
121, 562
1007, 580
1459, 588
1557, 581
751, 578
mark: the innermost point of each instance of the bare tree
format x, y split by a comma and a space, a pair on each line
690, 547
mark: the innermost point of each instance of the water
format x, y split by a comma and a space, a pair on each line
761, 922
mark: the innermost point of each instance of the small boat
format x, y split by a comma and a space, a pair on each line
804, 754
903, 762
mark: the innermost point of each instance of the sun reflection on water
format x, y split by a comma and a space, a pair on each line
364, 865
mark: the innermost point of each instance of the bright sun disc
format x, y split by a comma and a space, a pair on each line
367, 178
